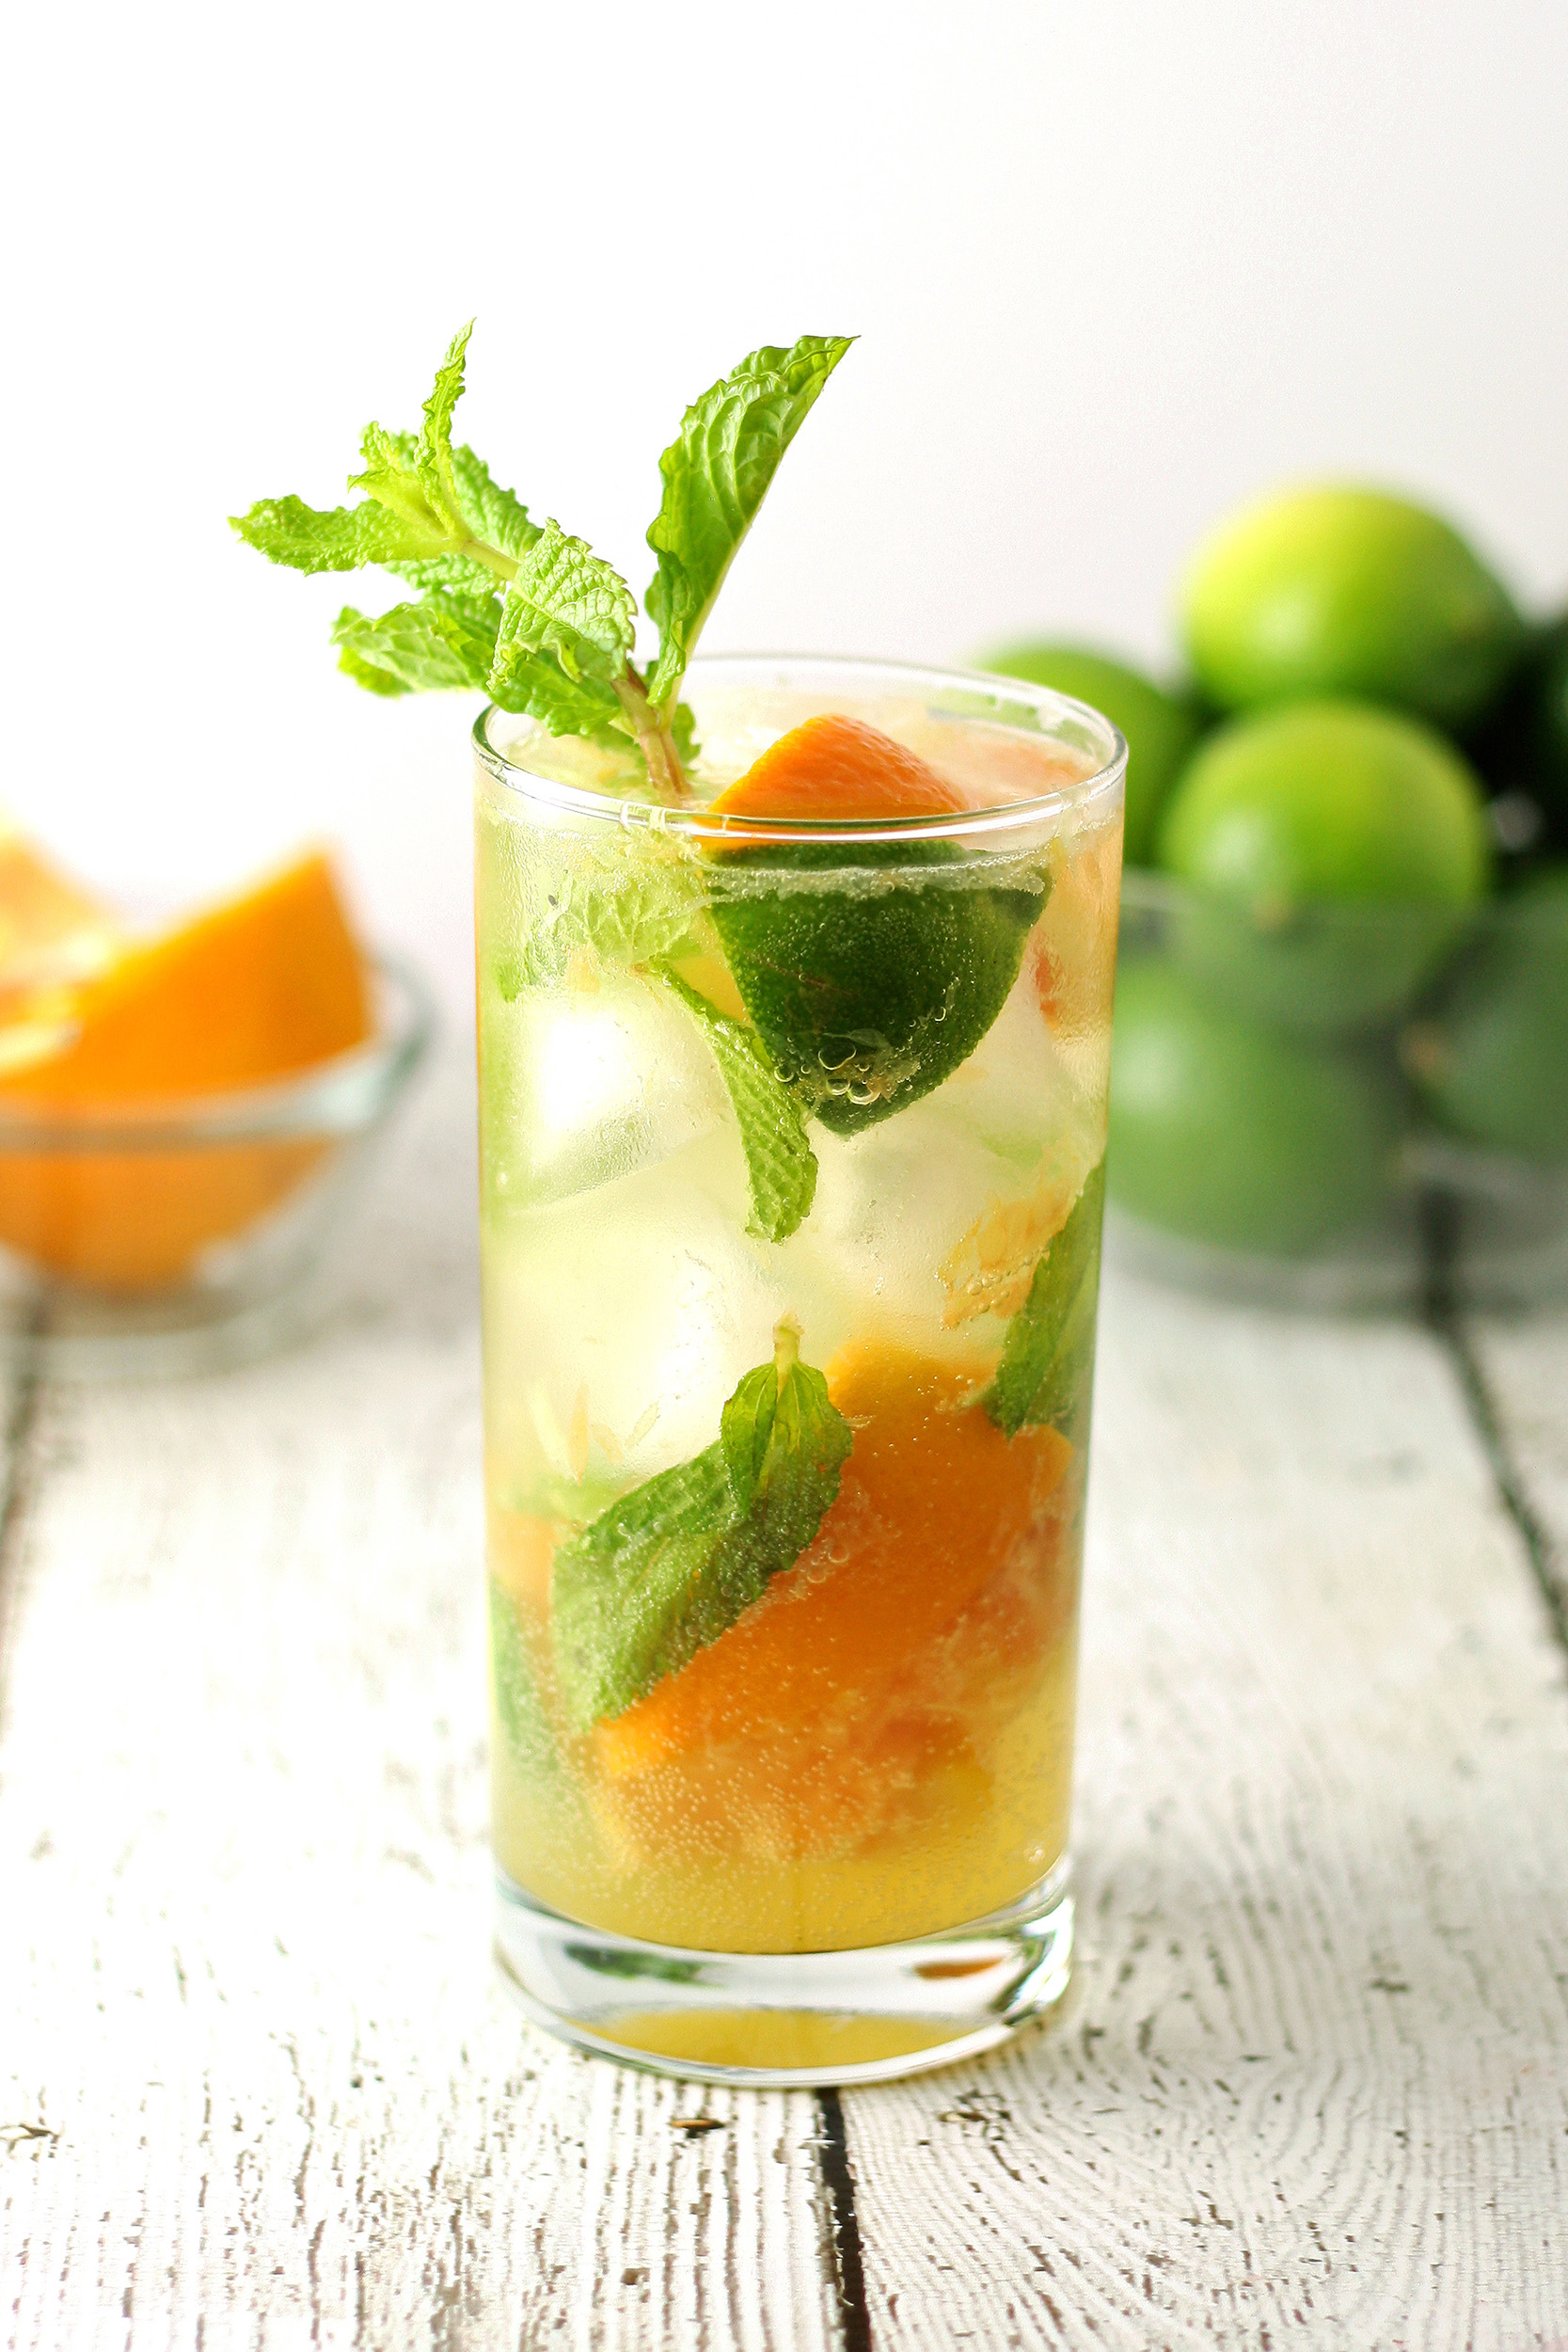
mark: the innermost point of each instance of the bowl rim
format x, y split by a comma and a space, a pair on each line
347, 1095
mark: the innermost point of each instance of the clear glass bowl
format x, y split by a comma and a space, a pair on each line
177, 1237
1348, 1107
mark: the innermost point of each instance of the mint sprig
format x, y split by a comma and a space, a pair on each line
1048, 1350
781, 1166
674, 1564
531, 616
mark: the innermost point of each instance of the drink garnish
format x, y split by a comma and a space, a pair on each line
866, 998
676, 1562
781, 1166
623, 913
1048, 1350
529, 614
832, 769
519, 1702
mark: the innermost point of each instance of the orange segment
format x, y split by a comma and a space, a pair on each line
837, 767
267, 985
935, 1506
51, 930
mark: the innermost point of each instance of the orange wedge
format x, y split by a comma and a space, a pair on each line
837, 767
935, 1506
53, 936
258, 988
51, 930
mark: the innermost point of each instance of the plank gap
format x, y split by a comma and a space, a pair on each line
844, 2229
1439, 1221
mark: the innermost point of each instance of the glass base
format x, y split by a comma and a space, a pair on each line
767, 2019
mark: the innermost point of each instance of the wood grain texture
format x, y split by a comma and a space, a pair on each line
269, 2092
258, 2086
1312, 2085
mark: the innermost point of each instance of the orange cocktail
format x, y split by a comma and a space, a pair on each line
792, 1126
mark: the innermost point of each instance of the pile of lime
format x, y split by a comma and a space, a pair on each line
1361, 794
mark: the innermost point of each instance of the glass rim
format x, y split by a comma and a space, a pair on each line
1004, 818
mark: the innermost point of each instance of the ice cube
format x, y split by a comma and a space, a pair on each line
584, 1082
934, 1219
618, 1322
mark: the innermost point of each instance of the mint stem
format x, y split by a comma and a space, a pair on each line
787, 1348
654, 739
503, 566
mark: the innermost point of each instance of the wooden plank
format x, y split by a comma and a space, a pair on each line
1522, 1368
269, 2092
1311, 2084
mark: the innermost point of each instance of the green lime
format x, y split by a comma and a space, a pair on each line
871, 990
1336, 850
1491, 1062
1227, 1132
1344, 591
1161, 728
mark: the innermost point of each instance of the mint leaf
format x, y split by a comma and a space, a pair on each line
416, 482
683, 733
716, 475
519, 1704
444, 641
433, 515
1048, 1351
496, 516
322, 539
637, 916
675, 1563
781, 1166
565, 600
535, 685
433, 456
566, 633
364, 672
420, 504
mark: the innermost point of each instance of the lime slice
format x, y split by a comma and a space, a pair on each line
870, 990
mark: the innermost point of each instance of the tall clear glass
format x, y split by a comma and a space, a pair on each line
814, 1113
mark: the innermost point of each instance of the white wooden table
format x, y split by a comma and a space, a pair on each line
1310, 2086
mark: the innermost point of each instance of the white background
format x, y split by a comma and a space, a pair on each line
1115, 267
